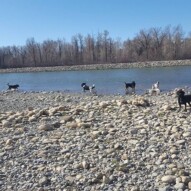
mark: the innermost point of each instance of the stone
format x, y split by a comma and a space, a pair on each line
43, 181
85, 165
72, 125
46, 127
168, 179
66, 119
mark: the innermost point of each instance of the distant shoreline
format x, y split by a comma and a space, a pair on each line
100, 66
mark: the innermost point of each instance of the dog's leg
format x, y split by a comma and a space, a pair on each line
190, 106
179, 105
133, 90
185, 107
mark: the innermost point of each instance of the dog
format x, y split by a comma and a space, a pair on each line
155, 89
183, 99
13, 87
88, 88
155, 86
130, 85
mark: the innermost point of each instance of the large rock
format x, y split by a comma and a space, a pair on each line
168, 179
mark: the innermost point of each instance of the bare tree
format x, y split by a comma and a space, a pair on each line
158, 37
186, 48
177, 41
118, 51
75, 52
31, 51
105, 45
60, 46
144, 41
15, 56
6, 57
49, 53
89, 52
23, 56
39, 53
81, 48
130, 51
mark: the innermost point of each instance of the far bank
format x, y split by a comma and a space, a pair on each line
100, 66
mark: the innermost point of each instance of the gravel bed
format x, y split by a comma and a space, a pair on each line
66, 142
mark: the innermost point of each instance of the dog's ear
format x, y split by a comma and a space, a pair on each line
83, 84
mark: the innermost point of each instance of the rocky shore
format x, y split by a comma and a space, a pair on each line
59, 141
100, 66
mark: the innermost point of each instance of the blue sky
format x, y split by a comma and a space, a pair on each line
62, 19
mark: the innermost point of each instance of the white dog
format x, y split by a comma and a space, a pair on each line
155, 86
155, 89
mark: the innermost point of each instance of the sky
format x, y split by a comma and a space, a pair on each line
61, 19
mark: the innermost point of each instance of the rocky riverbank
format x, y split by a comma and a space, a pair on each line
59, 141
100, 66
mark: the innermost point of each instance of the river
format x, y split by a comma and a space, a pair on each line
109, 81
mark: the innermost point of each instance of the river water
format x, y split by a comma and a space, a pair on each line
106, 81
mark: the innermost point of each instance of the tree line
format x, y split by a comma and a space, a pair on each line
154, 44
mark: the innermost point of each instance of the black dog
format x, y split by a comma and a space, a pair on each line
130, 85
183, 99
14, 87
87, 88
